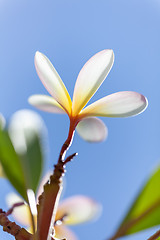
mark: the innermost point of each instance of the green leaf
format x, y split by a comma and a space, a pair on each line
11, 164
32, 162
145, 211
23, 151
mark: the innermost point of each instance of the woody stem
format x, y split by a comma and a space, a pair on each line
52, 191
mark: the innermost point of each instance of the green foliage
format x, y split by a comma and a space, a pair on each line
11, 164
145, 211
32, 162
22, 167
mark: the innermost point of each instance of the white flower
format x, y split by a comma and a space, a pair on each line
91, 76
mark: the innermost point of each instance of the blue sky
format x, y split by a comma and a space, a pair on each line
69, 33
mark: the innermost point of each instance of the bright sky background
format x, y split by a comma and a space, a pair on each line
69, 32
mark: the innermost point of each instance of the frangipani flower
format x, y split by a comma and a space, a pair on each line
74, 210
91, 76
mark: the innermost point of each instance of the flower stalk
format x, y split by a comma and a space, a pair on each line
68, 142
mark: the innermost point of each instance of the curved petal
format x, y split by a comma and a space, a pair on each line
78, 209
46, 103
52, 81
62, 232
120, 104
90, 78
21, 214
24, 126
92, 129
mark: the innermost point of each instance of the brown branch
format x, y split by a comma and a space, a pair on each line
126, 226
48, 200
12, 228
47, 205
155, 236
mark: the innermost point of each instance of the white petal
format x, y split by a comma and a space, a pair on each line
92, 129
21, 214
46, 103
78, 209
32, 202
24, 126
120, 104
90, 78
52, 81
63, 232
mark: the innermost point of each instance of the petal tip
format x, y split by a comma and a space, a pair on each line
37, 53
30, 100
111, 53
145, 101
37, 56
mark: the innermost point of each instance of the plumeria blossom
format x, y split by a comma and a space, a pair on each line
91, 76
74, 210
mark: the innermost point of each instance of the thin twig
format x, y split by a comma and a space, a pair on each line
9, 212
70, 158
